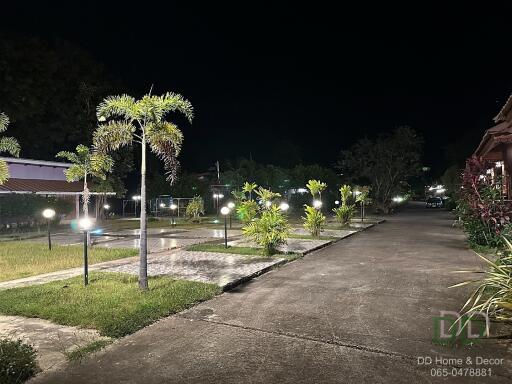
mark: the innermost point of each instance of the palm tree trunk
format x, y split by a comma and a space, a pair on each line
143, 267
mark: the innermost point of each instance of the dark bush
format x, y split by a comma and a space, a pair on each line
17, 361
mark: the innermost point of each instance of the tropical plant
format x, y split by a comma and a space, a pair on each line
493, 295
269, 231
17, 361
266, 196
362, 197
314, 220
125, 120
346, 194
195, 208
345, 211
85, 164
316, 187
247, 210
7, 144
238, 195
248, 188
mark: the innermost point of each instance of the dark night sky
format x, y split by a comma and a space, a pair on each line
318, 76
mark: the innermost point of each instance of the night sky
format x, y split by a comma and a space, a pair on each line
264, 77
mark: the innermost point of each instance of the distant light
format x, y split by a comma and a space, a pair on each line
48, 213
302, 190
173, 206
398, 199
442, 190
224, 210
337, 202
215, 195
106, 206
215, 221
162, 205
220, 195
284, 206
317, 204
85, 223
357, 193
231, 205
268, 204
499, 164
136, 197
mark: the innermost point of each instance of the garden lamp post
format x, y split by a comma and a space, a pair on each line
136, 198
85, 224
173, 208
231, 206
225, 212
49, 214
106, 207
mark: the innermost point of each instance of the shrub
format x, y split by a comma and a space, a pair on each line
316, 187
268, 231
344, 213
17, 361
247, 210
195, 208
314, 220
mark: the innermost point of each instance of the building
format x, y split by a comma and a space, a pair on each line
496, 148
44, 178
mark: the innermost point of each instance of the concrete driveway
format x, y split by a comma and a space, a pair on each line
360, 311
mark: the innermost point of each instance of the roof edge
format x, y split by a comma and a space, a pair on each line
18, 160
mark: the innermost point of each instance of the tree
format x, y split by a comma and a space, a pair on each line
86, 164
385, 162
7, 144
125, 120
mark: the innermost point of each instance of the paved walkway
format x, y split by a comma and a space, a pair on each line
360, 311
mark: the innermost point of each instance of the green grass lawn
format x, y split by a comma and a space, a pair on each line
111, 303
20, 259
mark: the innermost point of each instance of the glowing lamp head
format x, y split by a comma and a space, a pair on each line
106, 206
231, 205
220, 195
85, 223
268, 204
48, 213
317, 204
284, 207
337, 202
136, 197
224, 210
173, 206
162, 205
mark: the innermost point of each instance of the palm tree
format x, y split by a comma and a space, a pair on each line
7, 144
248, 188
126, 120
86, 164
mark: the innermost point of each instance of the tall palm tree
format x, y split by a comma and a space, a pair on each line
85, 164
125, 120
7, 144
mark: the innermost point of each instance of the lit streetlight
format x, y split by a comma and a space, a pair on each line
337, 202
317, 204
231, 206
136, 198
225, 212
173, 208
284, 206
106, 207
49, 214
85, 224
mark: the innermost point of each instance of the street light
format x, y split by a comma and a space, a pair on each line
337, 202
317, 204
284, 206
49, 214
231, 206
173, 208
85, 224
225, 212
136, 198
106, 207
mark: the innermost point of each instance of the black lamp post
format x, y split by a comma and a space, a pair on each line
231, 206
173, 208
85, 225
49, 214
225, 212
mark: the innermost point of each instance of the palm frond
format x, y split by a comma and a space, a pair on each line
4, 121
101, 164
165, 141
70, 156
172, 102
10, 145
113, 135
117, 106
75, 172
4, 172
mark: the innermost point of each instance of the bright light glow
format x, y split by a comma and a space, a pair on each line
106, 206
317, 204
302, 190
231, 205
398, 199
357, 193
136, 197
489, 171
215, 196
268, 204
173, 206
224, 210
220, 195
499, 164
48, 213
85, 223
337, 202
284, 206
442, 190
215, 221
162, 205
